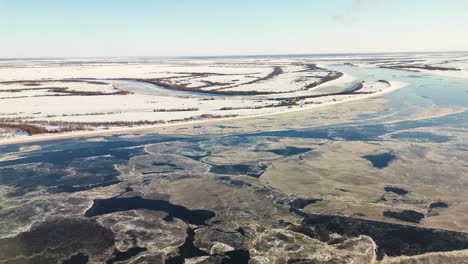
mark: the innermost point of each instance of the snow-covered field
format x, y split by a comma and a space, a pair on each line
76, 96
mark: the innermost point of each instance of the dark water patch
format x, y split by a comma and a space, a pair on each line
416, 76
13, 148
112, 205
233, 182
239, 256
380, 161
255, 171
79, 258
59, 238
423, 137
301, 203
62, 152
392, 239
406, 215
396, 190
289, 151
187, 250
438, 205
241, 231
370, 132
224, 127
197, 157
157, 164
123, 256
78, 175
232, 140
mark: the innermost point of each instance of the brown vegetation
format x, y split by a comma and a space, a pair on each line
90, 114
332, 75
216, 116
385, 81
36, 126
30, 129
64, 91
423, 67
176, 110
86, 93
40, 82
276, 71
183, 87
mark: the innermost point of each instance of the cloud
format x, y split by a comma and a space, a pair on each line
349, 14
343, 18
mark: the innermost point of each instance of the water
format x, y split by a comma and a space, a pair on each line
94, 160
76, 165
380, 161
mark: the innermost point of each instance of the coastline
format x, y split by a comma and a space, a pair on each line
395, 85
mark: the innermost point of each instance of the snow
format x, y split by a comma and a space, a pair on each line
147, 102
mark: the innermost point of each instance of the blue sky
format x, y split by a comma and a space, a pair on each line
87, 28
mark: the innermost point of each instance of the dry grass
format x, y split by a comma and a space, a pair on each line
420, 67
37, 126
40, 82
30, 129
176, 110
86, 93
216, 116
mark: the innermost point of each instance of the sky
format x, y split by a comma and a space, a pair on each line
124, 28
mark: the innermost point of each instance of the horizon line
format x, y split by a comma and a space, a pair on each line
237, 56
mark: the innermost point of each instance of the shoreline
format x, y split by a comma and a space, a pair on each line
396, 85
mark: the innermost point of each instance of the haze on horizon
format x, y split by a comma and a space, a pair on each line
54, 28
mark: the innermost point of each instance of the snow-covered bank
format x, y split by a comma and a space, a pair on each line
72, 100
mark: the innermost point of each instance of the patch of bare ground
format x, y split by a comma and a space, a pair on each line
176, 110
91, 114
67, 91
35, 127
166, 83
216, 116
30, 129
415, 68
204, 116
184, 87
385, 81
276, 71
291, 102
332, 75
60, 91
25, 89
40, 82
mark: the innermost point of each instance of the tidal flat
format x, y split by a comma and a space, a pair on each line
381, 179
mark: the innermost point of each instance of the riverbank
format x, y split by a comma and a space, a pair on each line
395, 85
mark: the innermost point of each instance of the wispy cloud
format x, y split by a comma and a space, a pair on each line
348, 14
